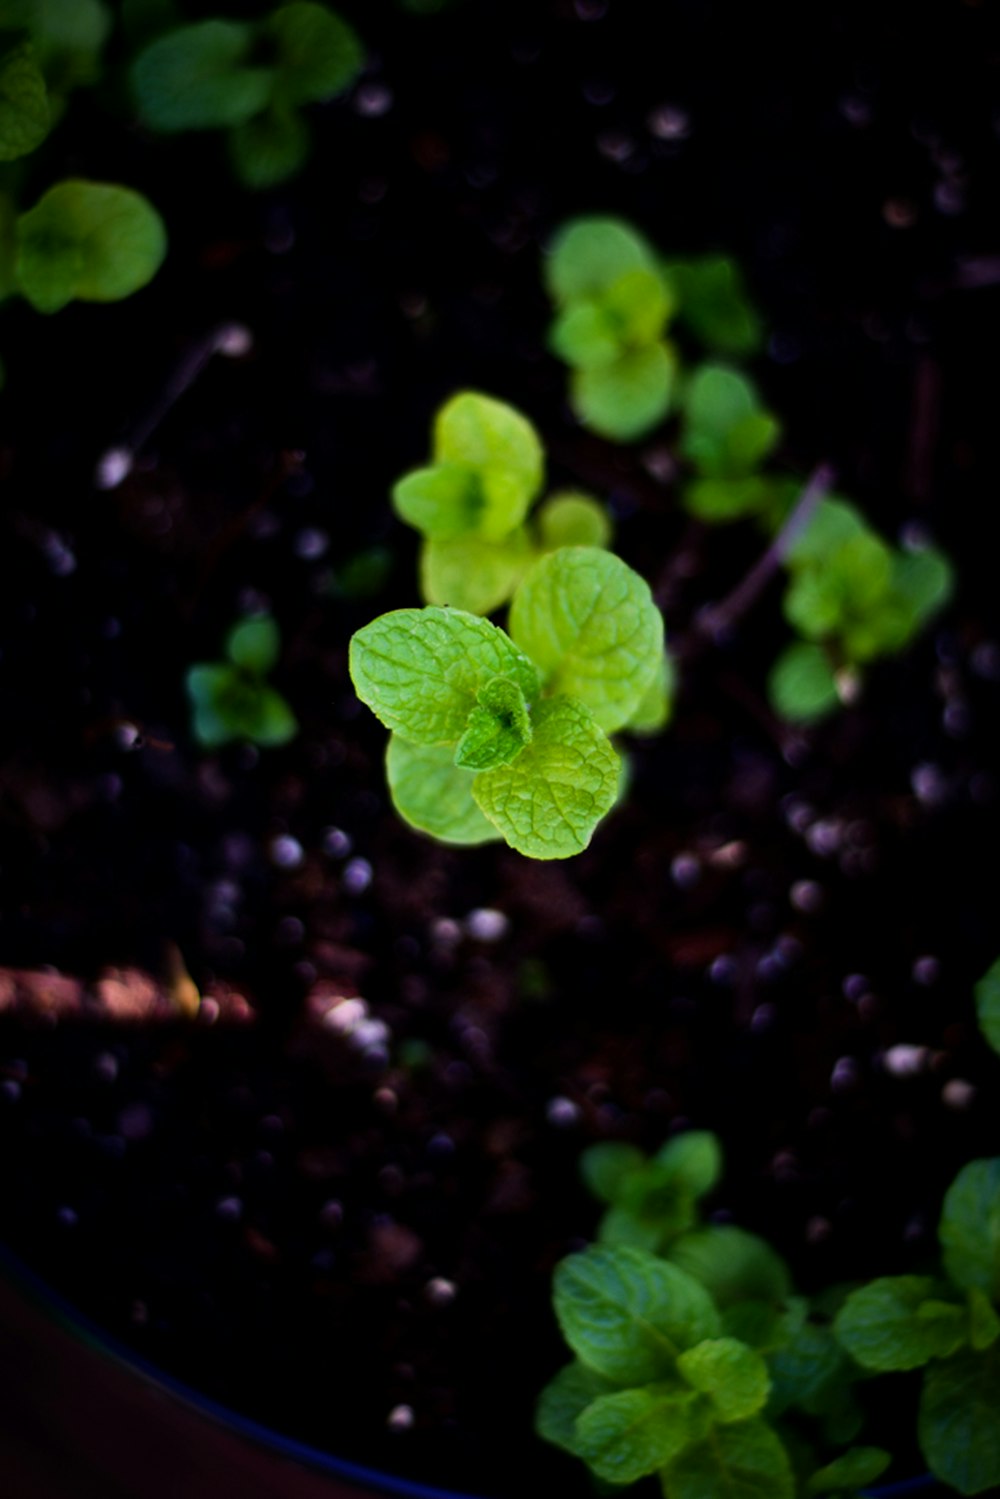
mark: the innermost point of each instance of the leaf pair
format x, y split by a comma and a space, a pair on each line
613, 305
726, 435
471, 503
231, 699
851, 597
497, 734
952, 1327
250, 80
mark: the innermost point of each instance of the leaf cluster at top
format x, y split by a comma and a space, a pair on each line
614, 300
471, 504
231, 700
506, 735
250, 79
692, 1351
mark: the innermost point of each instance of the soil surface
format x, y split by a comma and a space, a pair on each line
351, 1236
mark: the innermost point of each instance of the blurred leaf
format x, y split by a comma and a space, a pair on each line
732, 1264
604, 1167
713, 303
93, 241
802, 686
318, 54
254, 644
24, 104
270, 148
627, 399
733, 1376
587, 255
563, 1400
200, 77
569, 519
853, 1470
987, 994
969, 1229
957, 1424
655, 710
433, 795
470, 573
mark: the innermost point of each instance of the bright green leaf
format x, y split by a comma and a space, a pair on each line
588, 255
627, 1434
657, 703
93, 241
318, 54
604, 1167
548, 801
745, 1460
692, 1161
881, 1327
200, 77
498, 729
638, 304
802, 686
269, 149
832, 523
421, 670
568, 519
851, 1470
717, 501
733, 1376
733, 1264
584, 336
628, 1314
24, 104
726, 432
502, 446
433, 795
473, 574
626, 399
565, 1398
590, 625
441, 502
254, 644
969, 1230
957, 1424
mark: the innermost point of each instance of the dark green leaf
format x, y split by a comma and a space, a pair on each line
24, 104
969, 1230
200, 77
958, 1424
93, 241
563, 1399
318, 54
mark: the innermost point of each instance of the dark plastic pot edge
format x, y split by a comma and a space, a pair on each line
74, 1321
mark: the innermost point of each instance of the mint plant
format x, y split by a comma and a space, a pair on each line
987, 995
506, 735
726, 435
471, 503
851, 598
251, 80
949, 1326
231, 699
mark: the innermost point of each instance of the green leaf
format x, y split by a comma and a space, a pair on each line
68, 36
498, 729
638, 304
692, 1161
626, 399
733, 1376
712, 302
957, 1424
969, 1230
987, 993
254, 644
420, 671
852, 1470
442, 502
628, 1314
502, 446
802, 686
810, 1371
318, 54
269, 149
584, 336
984, 1324
24, 104
717, 501
274, 723
881, 1327
433, 795
588, 255
745, 1460
590, 625
548, 801
657, 703
93, 241
726, 433
569, 519
625, 1435
604, 1167
473, 574
200, 77
732, 1264
230, 706
565, 1398
832, 523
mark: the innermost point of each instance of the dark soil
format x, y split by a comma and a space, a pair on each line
263, 1208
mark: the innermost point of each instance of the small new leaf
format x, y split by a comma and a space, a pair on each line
627, 398
421, 670
590, 625
588, 255
498, 729
625, 1435
502, 447
471, 573
548, 801
732, 1375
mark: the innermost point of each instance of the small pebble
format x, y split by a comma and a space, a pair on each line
357, 876
685, 871
562, 1112
113, 467
286, 852
668, 122
957, 1093
337, 843
440, 1292
106, 1066
845, 1075
486, 925
400, 1418
229, 1209
233, 340
855, 987
806, 896
817, 1230
905, 1059
926, 971
373, 100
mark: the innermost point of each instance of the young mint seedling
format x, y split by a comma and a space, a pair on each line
949, 1326
497, 734
250, 79
726, 435
231, 699
713, 305
471, 506
613, 305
